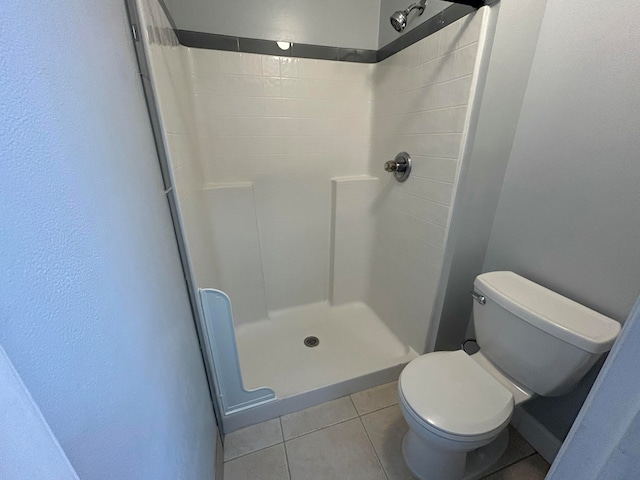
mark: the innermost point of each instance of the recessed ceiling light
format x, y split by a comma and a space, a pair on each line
284, 45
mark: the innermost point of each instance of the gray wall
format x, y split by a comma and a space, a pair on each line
514, 45
568, 215
388, 34
93, 307
337, 23
605, 439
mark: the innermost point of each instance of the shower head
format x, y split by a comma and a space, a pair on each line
399, 19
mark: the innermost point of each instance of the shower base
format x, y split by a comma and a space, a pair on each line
356, 350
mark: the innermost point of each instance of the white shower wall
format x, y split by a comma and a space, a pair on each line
273, 132
278, 167
168, 62
420, 106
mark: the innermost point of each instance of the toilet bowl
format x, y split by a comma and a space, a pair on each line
461, 409
532, 342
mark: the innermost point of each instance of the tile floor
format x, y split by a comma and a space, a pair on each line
355, 437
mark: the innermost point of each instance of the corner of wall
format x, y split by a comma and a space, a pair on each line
516, 31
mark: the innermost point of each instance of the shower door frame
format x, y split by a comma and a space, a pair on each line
170, 192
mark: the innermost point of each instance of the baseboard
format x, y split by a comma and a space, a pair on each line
540, 438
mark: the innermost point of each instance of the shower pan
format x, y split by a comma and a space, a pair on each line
313, 272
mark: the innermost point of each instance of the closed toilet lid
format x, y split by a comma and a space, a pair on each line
451, 392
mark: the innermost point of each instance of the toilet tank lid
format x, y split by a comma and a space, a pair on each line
549, 311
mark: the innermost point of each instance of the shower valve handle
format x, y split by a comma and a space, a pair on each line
399, 166
392, 166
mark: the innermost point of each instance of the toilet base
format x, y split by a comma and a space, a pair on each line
478, 461
434, 464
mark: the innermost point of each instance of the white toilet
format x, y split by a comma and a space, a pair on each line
533, 342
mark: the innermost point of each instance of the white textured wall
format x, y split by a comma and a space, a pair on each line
95, 315
568, 211
352, 24
29, 448
285, 127
421, 97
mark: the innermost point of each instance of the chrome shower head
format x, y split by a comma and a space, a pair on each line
399, 19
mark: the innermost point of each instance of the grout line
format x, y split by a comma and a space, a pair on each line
378, 409
433, 180
427, 86
423, 198
281, 427
421, 219
323, 428
284, 444
510, 465
439, 109
375, 452
254, 451
353, 404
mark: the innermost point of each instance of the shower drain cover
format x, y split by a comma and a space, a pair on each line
311, 341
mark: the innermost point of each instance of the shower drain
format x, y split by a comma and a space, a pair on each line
311, 341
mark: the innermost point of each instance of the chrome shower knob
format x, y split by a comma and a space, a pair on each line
390, 166
399, 166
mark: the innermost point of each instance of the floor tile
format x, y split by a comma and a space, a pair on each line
518, 449
531, 468
376, 398
386, 428
339, 452
315, 418
253, 438
267, 464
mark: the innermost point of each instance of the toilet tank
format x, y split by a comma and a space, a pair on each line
540, 339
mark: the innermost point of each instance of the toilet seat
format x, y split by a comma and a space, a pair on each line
452, 396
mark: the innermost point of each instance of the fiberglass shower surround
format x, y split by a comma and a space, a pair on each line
284, 204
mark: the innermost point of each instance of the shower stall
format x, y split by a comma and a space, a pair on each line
313, 272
